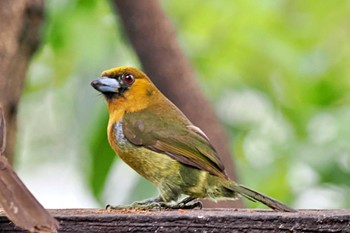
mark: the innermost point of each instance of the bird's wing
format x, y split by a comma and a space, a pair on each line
177, 138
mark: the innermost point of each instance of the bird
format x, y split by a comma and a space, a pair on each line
150, 134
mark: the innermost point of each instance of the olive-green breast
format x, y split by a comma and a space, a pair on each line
154, 166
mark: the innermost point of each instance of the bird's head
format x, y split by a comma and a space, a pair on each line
126, 87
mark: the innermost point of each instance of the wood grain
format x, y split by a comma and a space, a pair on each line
209, 220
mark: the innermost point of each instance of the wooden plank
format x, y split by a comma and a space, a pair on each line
210, 220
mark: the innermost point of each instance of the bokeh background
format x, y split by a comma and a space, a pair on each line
277, 73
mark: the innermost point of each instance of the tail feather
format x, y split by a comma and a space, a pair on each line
266, 200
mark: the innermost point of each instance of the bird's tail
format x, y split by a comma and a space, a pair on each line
256, 196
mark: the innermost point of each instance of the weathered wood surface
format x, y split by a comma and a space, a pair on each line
209, 220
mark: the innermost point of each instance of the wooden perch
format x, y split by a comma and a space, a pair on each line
209, 220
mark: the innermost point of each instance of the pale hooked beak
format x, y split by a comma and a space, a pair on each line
105, 84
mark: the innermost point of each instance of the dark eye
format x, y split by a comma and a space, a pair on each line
129, 78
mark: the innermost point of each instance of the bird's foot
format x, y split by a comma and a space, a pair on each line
182, 205
149, 204
156, 203
135, 206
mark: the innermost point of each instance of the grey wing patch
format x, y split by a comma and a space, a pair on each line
119, 134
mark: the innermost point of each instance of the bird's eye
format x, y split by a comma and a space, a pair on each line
129, 78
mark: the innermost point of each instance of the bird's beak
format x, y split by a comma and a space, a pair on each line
105, 84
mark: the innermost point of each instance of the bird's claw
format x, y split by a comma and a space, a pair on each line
198, 204
182, 205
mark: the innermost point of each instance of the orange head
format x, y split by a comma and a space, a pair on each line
126, 89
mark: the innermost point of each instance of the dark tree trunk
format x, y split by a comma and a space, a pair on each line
20, 22
154, 40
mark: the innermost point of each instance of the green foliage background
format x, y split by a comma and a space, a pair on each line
277, 73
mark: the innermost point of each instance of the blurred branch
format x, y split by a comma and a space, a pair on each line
19, 204
2, 132
154, 40
20, 22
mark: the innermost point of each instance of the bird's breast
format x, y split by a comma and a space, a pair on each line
152, 165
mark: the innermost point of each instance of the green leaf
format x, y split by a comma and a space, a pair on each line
102, 156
